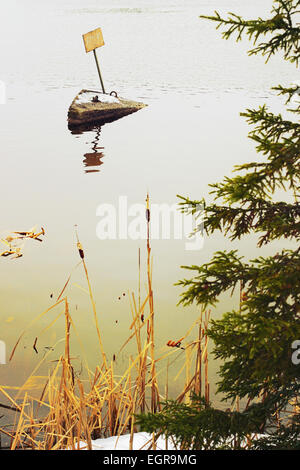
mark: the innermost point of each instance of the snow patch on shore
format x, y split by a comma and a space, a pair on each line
141, 441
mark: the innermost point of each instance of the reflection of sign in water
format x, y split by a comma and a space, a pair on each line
2, 352
93, 159
92, 41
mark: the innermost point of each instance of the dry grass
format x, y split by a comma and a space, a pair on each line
69, 410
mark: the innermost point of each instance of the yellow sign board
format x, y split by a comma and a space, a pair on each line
93, 39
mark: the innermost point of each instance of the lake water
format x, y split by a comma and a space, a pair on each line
190, 135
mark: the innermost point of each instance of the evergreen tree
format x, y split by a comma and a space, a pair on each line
254, 342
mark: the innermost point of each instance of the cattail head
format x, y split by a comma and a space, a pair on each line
147, 209
80, 249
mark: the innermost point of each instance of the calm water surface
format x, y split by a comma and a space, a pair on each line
190, 135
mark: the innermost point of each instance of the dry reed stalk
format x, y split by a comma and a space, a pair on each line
109, 403
207, 316
154, 386
198, 368
81, 254
187, 372
201, 363
74, 416
17, 437
31, 325
141, 376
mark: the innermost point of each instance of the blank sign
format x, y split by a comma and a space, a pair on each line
93, 39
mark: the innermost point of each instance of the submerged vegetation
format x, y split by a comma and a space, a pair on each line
13, 242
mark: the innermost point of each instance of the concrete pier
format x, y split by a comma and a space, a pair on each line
90, 107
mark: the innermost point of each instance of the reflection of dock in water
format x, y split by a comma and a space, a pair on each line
92, 160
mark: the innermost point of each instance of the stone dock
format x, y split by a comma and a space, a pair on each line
92, 107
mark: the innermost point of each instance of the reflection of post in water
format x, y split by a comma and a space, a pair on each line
93, 159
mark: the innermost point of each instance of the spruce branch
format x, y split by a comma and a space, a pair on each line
284, 34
